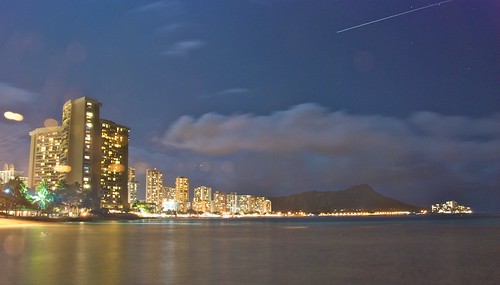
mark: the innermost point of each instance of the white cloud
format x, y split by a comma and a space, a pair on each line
159, 6
10, 95
184, 47
227, 92
309, 147
313, 128
234, 91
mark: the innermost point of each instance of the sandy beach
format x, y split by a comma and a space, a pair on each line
9, 222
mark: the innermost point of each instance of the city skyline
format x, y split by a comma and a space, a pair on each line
266, 97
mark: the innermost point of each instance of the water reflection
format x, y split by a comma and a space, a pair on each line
242, 252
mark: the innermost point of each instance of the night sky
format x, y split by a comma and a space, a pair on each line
266, 96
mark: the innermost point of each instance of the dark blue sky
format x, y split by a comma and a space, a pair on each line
266, 97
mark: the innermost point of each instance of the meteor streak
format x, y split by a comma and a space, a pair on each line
393, 16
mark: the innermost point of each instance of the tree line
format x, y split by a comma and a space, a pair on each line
16, 196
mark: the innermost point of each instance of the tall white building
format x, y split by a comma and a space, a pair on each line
133, 185
220, 202
45, 157
232, 202
168, 199
182, 193
154, 186
202, 199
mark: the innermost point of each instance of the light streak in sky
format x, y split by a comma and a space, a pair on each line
13, 116
393, 16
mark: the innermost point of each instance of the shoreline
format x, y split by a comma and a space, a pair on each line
14, 222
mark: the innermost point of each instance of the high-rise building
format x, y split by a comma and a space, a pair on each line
84, 150
244, 203
232, 202
114, 166
45, 160
220, 202
261, 205
154, 186
202, 199
168, 199
81, 144
267, 206
133, 185
182, 193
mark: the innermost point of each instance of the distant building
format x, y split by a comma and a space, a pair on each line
202, 199
232, 202
182, 193
45, 157
168, 193
132, 186
9, 173
450, 207
244, 203
267, 207
154, 186
114, 166
220, 202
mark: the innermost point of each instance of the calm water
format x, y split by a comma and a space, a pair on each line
410, 250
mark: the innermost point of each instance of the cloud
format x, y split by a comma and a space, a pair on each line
163, 11
234, 91
10, 95
227, 92
303, 127
423, 158
163, 5
184, 47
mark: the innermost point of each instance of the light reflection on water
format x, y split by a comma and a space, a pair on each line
251, 252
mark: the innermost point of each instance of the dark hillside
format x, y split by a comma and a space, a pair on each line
354, 198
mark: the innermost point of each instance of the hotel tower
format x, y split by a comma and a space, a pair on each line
84, 150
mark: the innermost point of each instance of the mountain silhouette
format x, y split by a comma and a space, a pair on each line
358, 197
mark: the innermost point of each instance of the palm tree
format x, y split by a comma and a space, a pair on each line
15, 194
43, 196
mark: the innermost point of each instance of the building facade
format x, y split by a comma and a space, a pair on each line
182, 193
85, 150
154, 186
220, 202
114, 166
45, 157
202, 199
133, 186
81, 144
232, 202
9, 172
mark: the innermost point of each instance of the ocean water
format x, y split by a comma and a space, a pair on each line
329, 250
